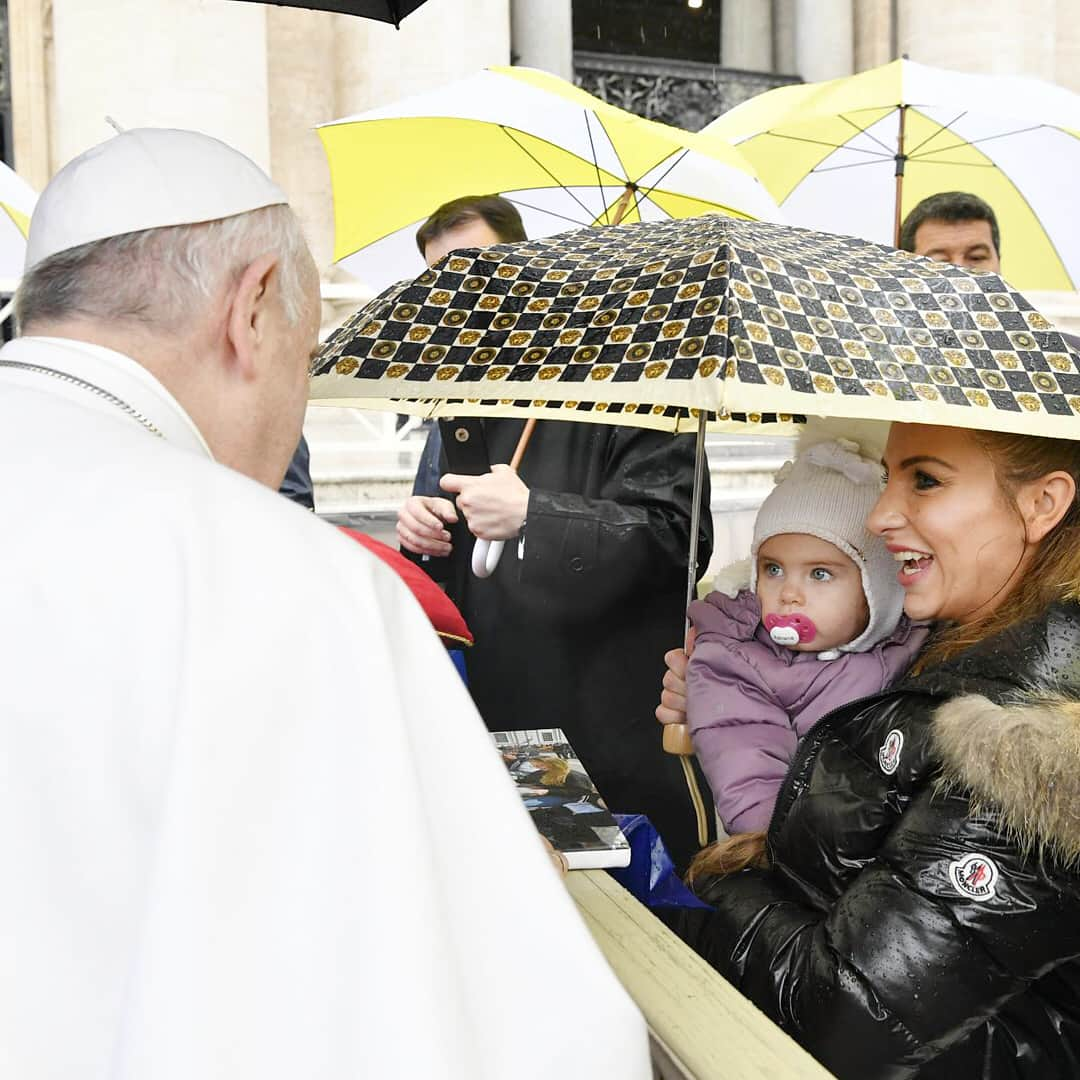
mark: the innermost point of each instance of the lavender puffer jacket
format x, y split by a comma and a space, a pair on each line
750, 701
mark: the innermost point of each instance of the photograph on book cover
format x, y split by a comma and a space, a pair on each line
563, 802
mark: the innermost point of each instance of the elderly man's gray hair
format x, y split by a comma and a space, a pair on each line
163, 278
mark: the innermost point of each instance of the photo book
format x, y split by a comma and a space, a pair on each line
561, 799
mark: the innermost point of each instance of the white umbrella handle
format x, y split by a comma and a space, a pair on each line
485, 557
487, 553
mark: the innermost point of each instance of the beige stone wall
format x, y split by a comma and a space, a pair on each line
1037, 38
992, 37
188, 63
258, 76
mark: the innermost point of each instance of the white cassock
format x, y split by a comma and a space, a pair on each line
252, 826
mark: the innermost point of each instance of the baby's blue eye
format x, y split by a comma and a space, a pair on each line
772, 570
821, 574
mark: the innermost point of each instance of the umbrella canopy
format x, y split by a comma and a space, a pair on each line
391, 11
830, 154
563, 157
17, 200
716, 314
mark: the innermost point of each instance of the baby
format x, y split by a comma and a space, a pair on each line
820, 625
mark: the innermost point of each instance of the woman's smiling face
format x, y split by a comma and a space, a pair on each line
959, 541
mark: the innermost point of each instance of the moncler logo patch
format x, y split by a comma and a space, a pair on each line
889, 755
974, 876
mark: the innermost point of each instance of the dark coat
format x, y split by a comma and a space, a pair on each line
572, 634
922, 913
297, 484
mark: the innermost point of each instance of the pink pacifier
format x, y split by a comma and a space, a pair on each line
790, 629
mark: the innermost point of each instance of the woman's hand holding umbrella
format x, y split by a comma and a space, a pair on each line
671, 712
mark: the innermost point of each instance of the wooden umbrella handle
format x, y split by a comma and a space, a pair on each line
677, 740
523, 442
622, 207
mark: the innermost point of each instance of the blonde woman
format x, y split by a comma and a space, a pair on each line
914, 906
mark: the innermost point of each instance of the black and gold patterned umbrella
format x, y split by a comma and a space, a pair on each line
665, 324
391, 11
745, 320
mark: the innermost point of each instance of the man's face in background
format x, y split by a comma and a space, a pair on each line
967, 243
473, 233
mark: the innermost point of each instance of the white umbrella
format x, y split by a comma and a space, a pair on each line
563, 157
17, 200
854, 155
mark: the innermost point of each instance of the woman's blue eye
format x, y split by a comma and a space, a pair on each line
924, 481
772, 570
821, 574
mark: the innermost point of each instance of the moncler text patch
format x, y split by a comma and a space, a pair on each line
974, 876
889, 755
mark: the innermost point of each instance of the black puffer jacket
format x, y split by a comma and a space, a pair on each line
922, 913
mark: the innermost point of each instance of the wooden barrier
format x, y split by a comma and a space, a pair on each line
701, 1027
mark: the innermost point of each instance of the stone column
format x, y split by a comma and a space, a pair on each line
991, 37
873, 21
194, 64
542, 36
1067, 35
438, 43
783, 20
29, 38
300, 74
823, 39
746, 32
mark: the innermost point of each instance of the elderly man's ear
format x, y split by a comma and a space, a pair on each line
253, 313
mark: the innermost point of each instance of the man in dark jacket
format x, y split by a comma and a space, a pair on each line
571, 627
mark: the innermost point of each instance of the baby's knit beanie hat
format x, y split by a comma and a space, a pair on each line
828, 491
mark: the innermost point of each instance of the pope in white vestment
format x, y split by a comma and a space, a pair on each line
252, 826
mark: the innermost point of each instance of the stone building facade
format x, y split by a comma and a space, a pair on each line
262, 76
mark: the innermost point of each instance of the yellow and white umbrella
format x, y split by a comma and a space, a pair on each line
17, 200
854, 155
563, 157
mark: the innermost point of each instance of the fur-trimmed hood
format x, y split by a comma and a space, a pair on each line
1019, 761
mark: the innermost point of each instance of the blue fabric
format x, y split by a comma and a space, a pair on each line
458, 657
651, 876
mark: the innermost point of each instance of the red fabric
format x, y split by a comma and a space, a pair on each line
439, 608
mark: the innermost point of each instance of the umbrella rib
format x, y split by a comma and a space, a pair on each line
934, 134
865, 131
648, 191
506, 131
985, 138
957, 164
614, 147
596, 163
849, 165
832, 146
681, 195
544, 210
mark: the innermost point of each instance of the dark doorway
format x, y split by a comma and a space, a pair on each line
668, 29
